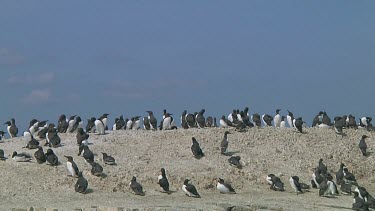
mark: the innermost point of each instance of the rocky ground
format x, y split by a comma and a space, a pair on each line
142, 153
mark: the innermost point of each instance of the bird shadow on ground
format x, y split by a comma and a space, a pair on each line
336, 207
103, 175
89, 190
169, 192
231, 153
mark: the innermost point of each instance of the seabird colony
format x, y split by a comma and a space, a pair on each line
344, 182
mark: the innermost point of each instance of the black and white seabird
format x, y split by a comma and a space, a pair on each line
231, 115
2, 156
90, 127
332, 187
246, 119
21, 157
269, 178
209, 121
190, 120
62, 125
200, 119
136, 124
359, 204
224, 143
323, 187
136, 187
146, 123
40, 156
256, 119
317, 178
96, 169
12, 128
298, 123
362, 145
346, 189
121, 123
267, 119
100, 126
349, 177
294, 182
153, 121
53, 138
33, 127
2, 133
109, 160
225, 122
32, 143
71, 122
365, 122
78, 123
184, 123
51, 158
340, 174
276, 183
42, 134
240, 126
277, 118
190, 189
81, 184
317, 119
339, 124
71, 166
282, 123
196, 149
86, 153
129, 123
116, 125
104, 119
82, 137
223, 187
351, 123
322, 167
166, 124
290, 118
235, 161
163, 181
325, 119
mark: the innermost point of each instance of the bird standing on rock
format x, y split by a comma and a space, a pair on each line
190, 189
40, 156
136, 187
81, 184
299, 124
51, 158
294, 182
196, 149
86, 153
277, 118
235, 160
96, 169
224, 143
71, 166
362, 145
163, 181
223, 187
109, 160
322, 167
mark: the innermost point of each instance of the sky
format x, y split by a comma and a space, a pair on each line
127, 57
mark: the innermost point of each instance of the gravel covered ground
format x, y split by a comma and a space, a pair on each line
142, 153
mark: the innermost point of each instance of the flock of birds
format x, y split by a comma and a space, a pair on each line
241, 120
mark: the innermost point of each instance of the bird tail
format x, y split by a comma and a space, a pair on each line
363, 152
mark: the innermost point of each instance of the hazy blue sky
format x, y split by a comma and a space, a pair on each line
126, 57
